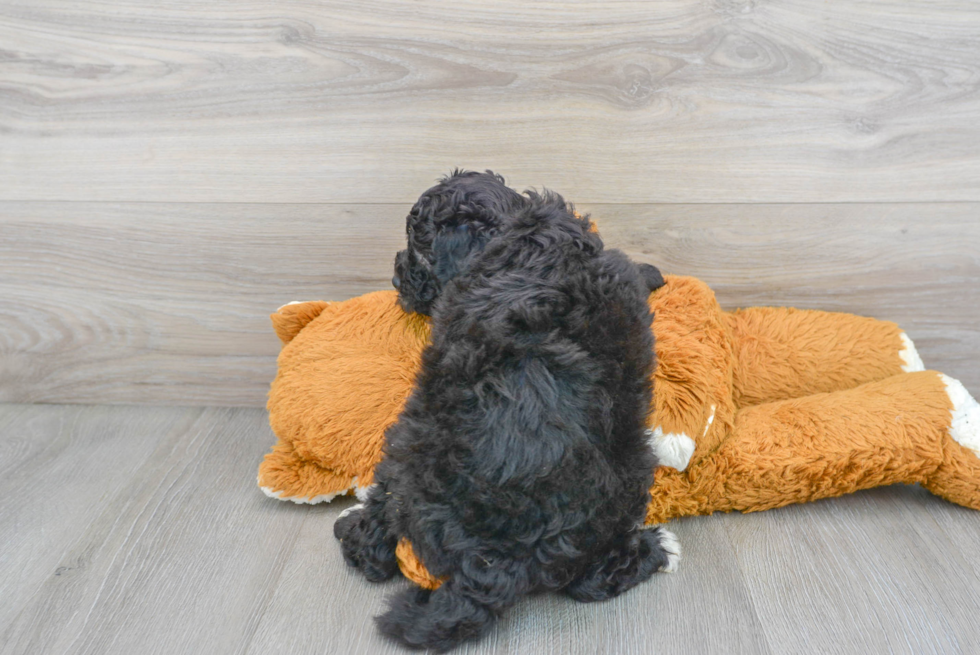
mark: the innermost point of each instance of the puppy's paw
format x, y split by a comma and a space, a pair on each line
631, 559
671, 548
438, 620
346, 521
365, 544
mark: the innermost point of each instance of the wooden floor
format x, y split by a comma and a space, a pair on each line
141, 530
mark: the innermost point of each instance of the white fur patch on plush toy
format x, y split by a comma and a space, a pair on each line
911, 362
278, 495
292, 302
673, 449
965, 424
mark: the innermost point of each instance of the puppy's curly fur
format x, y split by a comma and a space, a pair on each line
519, 462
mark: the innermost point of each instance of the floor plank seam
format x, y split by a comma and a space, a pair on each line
271, 589
748, 590
128, 539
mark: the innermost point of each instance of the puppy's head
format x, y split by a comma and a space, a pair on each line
446, 229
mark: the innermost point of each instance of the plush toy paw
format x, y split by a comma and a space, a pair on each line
911, 362
673, 449
965, 425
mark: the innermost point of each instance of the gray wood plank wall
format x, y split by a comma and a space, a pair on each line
363, 101
170, 174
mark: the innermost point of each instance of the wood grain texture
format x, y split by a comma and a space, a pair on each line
169, 303
652, 617
916, 265
175, 554
59, 470
871, 572
354, 101
140, 530
961, 527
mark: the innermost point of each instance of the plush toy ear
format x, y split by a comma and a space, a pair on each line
342, 381
290, 319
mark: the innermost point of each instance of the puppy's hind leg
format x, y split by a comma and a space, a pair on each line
462, 608
365, 540
631, 559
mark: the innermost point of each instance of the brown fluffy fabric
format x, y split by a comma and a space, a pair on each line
784, 405
345, 371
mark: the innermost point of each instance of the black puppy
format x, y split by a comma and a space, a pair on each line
520, 461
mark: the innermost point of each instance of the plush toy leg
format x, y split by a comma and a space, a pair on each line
344, 375
899, 430
413, 569
786, 353
958, 477
285, 475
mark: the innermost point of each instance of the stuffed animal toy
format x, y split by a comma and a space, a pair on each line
752, 409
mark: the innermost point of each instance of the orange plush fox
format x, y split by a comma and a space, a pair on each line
752, 409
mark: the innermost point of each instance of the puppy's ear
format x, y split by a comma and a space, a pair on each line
454, 247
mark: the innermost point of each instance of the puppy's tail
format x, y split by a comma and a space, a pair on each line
440, 619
